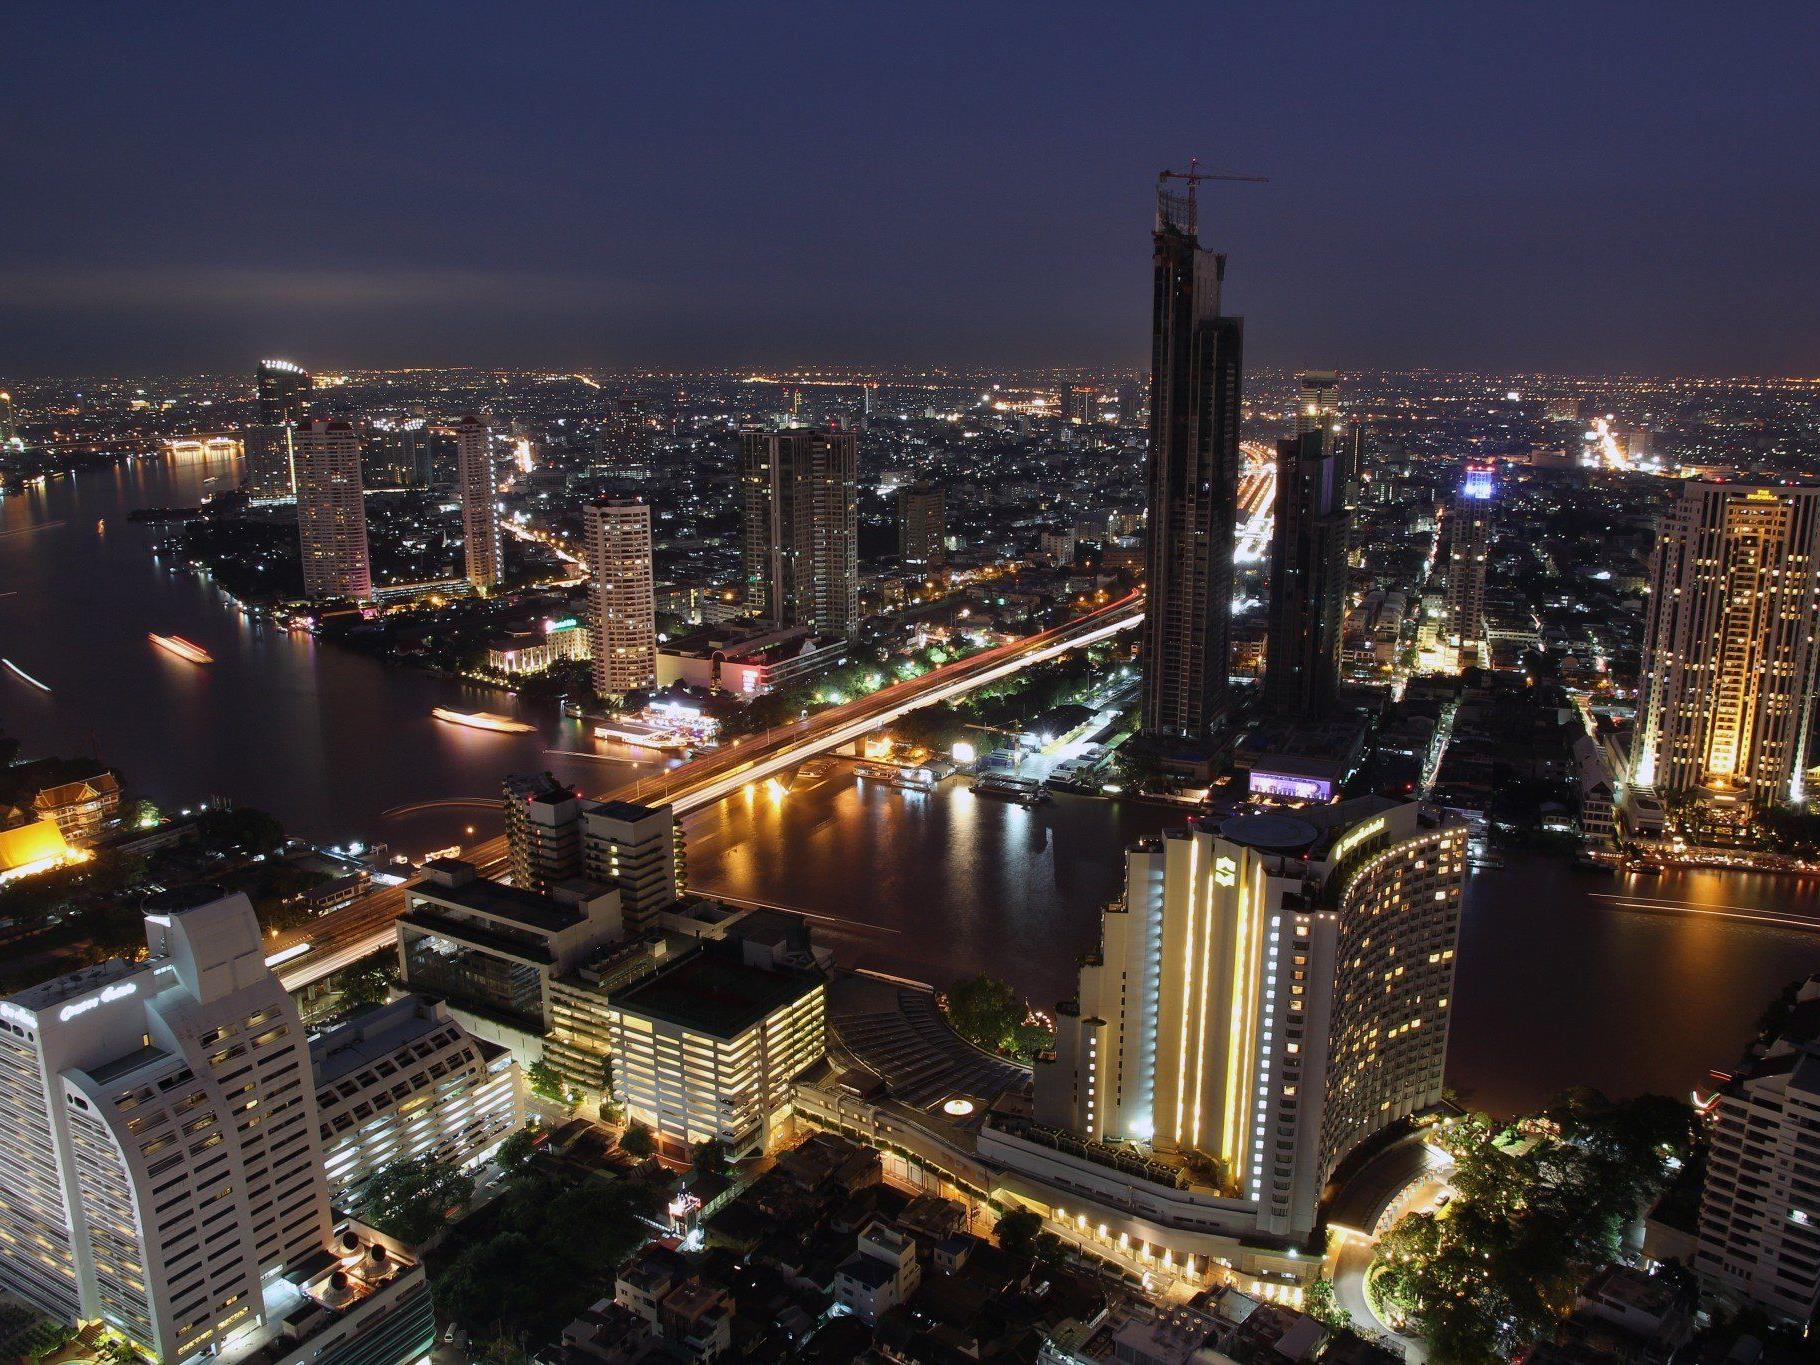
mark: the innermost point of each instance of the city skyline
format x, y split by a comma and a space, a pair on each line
1409, 220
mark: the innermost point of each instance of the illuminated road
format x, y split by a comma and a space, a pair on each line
343, 937
1257, 504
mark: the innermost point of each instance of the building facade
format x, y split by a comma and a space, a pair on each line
1308, 573
1193, 473
1729, 654
1319, 405
1265, 997
284, 393
406, 1080
707, 1047
922, 525
477, 485
1759, 1240
555, 836
160, 1162
331, 511
622, 604
799, 490
1468, 549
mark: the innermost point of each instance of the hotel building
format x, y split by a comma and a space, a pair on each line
1267, 995
160, 1169
1729, 655
1468, 549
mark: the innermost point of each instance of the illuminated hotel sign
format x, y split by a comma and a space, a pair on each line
23, 1018
112, 993
1226, 872
1291, 785
1354, 837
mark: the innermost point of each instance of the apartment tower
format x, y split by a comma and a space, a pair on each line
800, 527
331, 511
623, 611
477, 484
1729, 654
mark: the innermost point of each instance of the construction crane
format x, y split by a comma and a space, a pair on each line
1193, 176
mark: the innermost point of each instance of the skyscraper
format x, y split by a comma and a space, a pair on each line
1319, 405
331, 511
621, 595
160, 1155
284, 402
1267, 996
477, 484
1729, 656
1468, 548
1308, 573
1195, 369
800, 534
922, 514
284, 393
9, 424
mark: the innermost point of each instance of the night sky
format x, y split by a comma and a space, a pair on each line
1590, 187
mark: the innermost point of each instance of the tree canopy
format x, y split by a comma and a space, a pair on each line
412, 1198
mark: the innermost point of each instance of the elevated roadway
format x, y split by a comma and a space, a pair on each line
343, 937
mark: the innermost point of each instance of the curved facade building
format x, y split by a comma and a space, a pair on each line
1269, 994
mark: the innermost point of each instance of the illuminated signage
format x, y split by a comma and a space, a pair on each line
111, 994
1291, 785
23, 1018
1480, 485
1226, 872
1354, 837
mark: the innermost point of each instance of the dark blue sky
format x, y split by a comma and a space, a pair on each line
1593, 187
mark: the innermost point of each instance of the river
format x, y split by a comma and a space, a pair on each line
1565, 977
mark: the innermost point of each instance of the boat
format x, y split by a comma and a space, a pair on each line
482, 720
187, 650
19, 672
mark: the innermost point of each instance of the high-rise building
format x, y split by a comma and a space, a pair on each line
800, 527
543, 831
159, 1161
331, 511
1267, 995
1131, 405
922, 525
638, 850
477, 484
1195, 370
284, 393
1759, 1217
555, 836
271, 455
9, 422
621, 595
1729, 656
1308, 573
1319, 406
1468, 549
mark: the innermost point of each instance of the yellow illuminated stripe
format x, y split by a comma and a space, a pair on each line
1200, 1032
1238, 1095
1181, 1060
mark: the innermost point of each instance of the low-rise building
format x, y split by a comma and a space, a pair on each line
882, 1273
83, 810
406, 1080
747, 662
531, 651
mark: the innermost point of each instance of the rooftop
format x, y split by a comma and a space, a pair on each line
711, 991
496, 900
67, 987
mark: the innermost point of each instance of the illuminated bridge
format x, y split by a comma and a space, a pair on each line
343, 937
